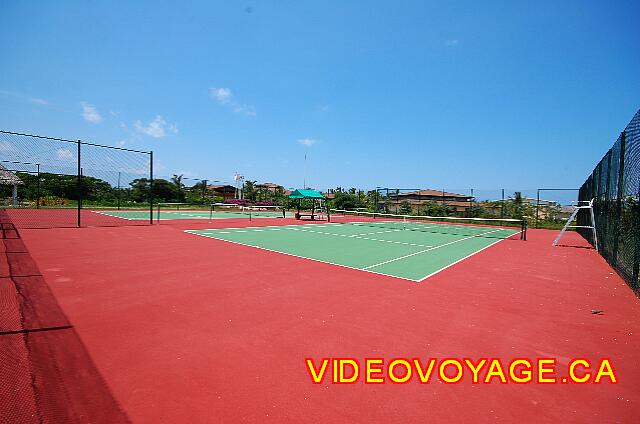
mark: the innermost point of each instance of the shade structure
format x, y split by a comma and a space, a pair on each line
306, 194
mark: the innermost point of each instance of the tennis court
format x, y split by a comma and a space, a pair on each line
204, 212
394, 247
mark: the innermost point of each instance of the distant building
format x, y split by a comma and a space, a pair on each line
225, 191
273, 188
419, 198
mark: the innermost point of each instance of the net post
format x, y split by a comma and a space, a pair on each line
151, 190
118, 192
211, 212
523, 232
158, 216
79, 223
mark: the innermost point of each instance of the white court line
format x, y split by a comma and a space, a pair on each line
291, 227
376, 232
261, 226
301, 257
366, 269
430, 249
119, 217
459, 260
362, 238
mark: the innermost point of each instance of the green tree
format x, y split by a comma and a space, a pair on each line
346, 201
475, 211
433, 208
163, 190
179, 187
405, 207
372, 200
198, 193
249, 190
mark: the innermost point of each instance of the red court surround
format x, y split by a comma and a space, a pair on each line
186, 329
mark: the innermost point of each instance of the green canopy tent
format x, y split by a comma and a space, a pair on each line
314, 195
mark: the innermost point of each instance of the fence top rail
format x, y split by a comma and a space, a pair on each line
113, 147
74, 141
38, 136
18, 162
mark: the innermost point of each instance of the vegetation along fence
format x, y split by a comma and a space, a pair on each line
614, 185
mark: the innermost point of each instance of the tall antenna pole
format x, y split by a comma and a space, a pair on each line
304, 180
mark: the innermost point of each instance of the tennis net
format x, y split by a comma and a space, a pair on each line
250, 211
172, 211
499, 228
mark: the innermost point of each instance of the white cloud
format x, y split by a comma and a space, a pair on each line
64, 155
307, 142
90, 113
120, 143
225, 97
452, 43
158, 128
246, 109
222, 95
23, 97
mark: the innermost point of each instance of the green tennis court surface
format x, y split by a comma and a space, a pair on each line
380, 247
192, 214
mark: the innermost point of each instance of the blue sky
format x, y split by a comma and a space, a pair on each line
400, 94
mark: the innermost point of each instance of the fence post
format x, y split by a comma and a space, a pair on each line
204, 191
606, 231
502, 205
619, 194
118, 190
537, 207
151, 187
636, 226
79, 184
386, 202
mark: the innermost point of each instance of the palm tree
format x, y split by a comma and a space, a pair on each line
249, 190
177, 181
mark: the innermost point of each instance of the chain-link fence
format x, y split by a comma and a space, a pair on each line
614, 185
52, 182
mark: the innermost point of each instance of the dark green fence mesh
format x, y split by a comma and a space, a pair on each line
614, 185
50, 182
